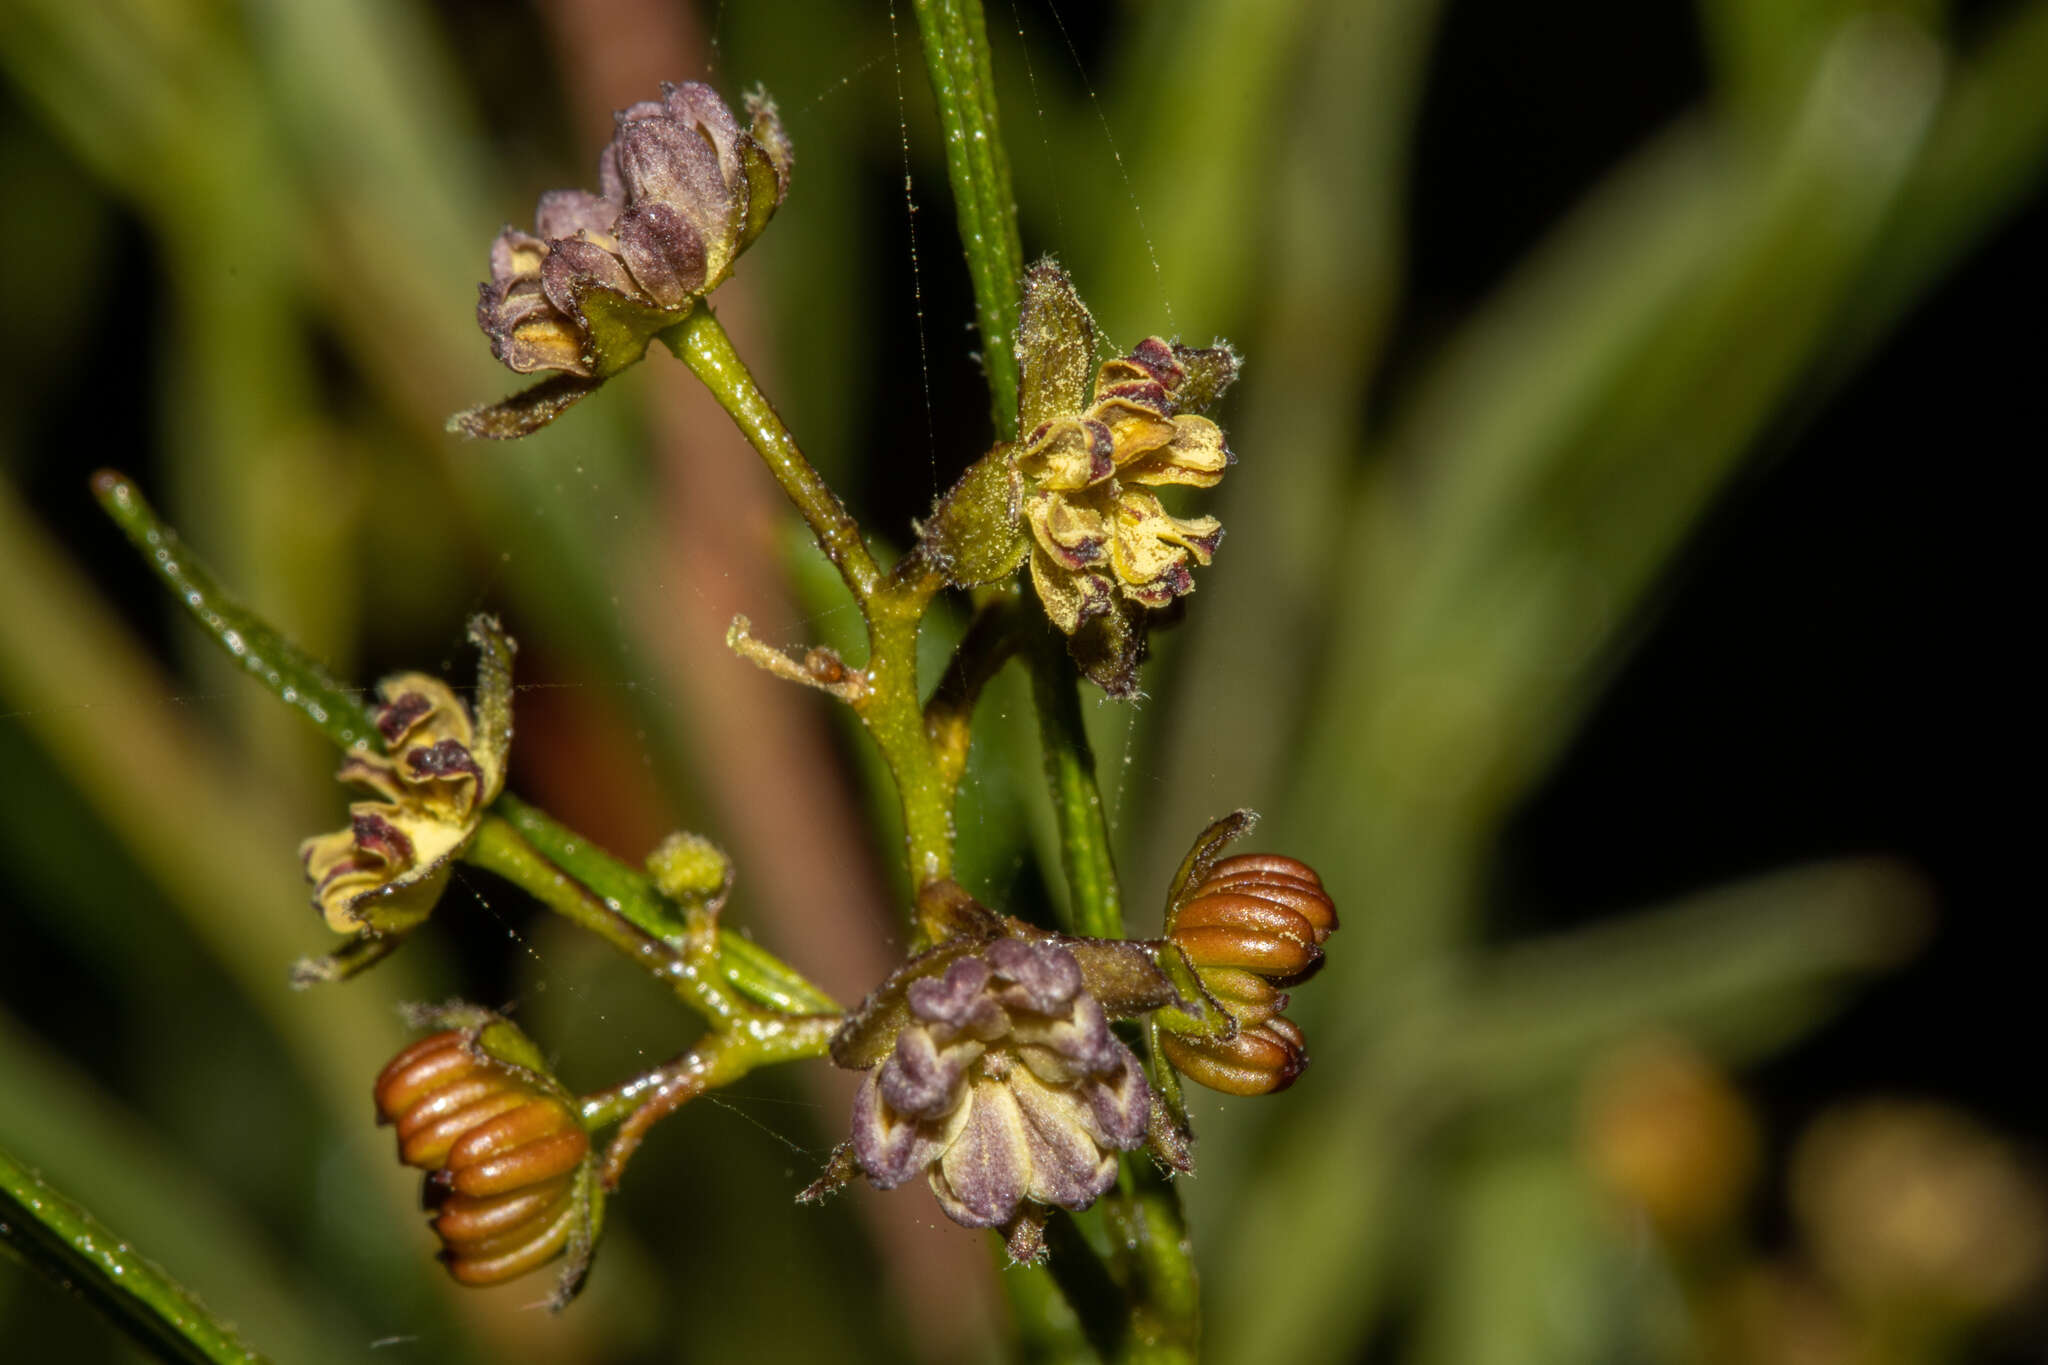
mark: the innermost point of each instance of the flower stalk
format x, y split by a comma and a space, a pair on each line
883, 693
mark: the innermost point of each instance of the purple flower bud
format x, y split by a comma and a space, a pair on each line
683, 188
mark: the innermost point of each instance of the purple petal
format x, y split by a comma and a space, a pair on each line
665, 162
1068, 1167
573, 265
401, 713
1119, 1105
694, 104
664, 252
919, 1081
564, 213
952, 999
507, 249
982, 1177
889, 1152
376, 835
1045, 975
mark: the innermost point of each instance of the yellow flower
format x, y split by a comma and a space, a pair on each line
1104, 550
443, 766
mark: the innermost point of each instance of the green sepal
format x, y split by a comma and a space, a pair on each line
492, 705
1206, 852
524, 412
497, 1039
1198, 1014
358, 954
763, 193
975, 534
345, 715
1125, 977
1210, 370
869, 1032
1056, 342
619, 328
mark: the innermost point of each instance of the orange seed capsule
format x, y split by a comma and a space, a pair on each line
501, 1155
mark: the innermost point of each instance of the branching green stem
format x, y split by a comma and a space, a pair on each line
718, 1059
886, 697
590, 888
688, 952
79, 1252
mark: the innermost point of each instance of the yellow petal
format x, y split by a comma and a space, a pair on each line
1196, 456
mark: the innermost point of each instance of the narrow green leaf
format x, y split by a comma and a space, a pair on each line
78, 1252
344, 714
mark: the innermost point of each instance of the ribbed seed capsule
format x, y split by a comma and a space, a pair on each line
1259, 1060
1255, 923
501, 1155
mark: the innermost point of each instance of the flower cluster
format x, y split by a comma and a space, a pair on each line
683, 189
443, 766
509, 1172
1104, 550
1006, 1085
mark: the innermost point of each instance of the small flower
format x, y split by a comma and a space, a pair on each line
1249, 925
1006, 1087
510, 1177
683, 189
383, 874
1105, 552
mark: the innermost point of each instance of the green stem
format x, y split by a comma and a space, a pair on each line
886, 698
1149, 1231
998, 631
344, 714
894, 714
79, 1252
583, 883
1097, 905
956, 56
701, 343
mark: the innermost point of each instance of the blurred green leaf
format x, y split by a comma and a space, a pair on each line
81, 1254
